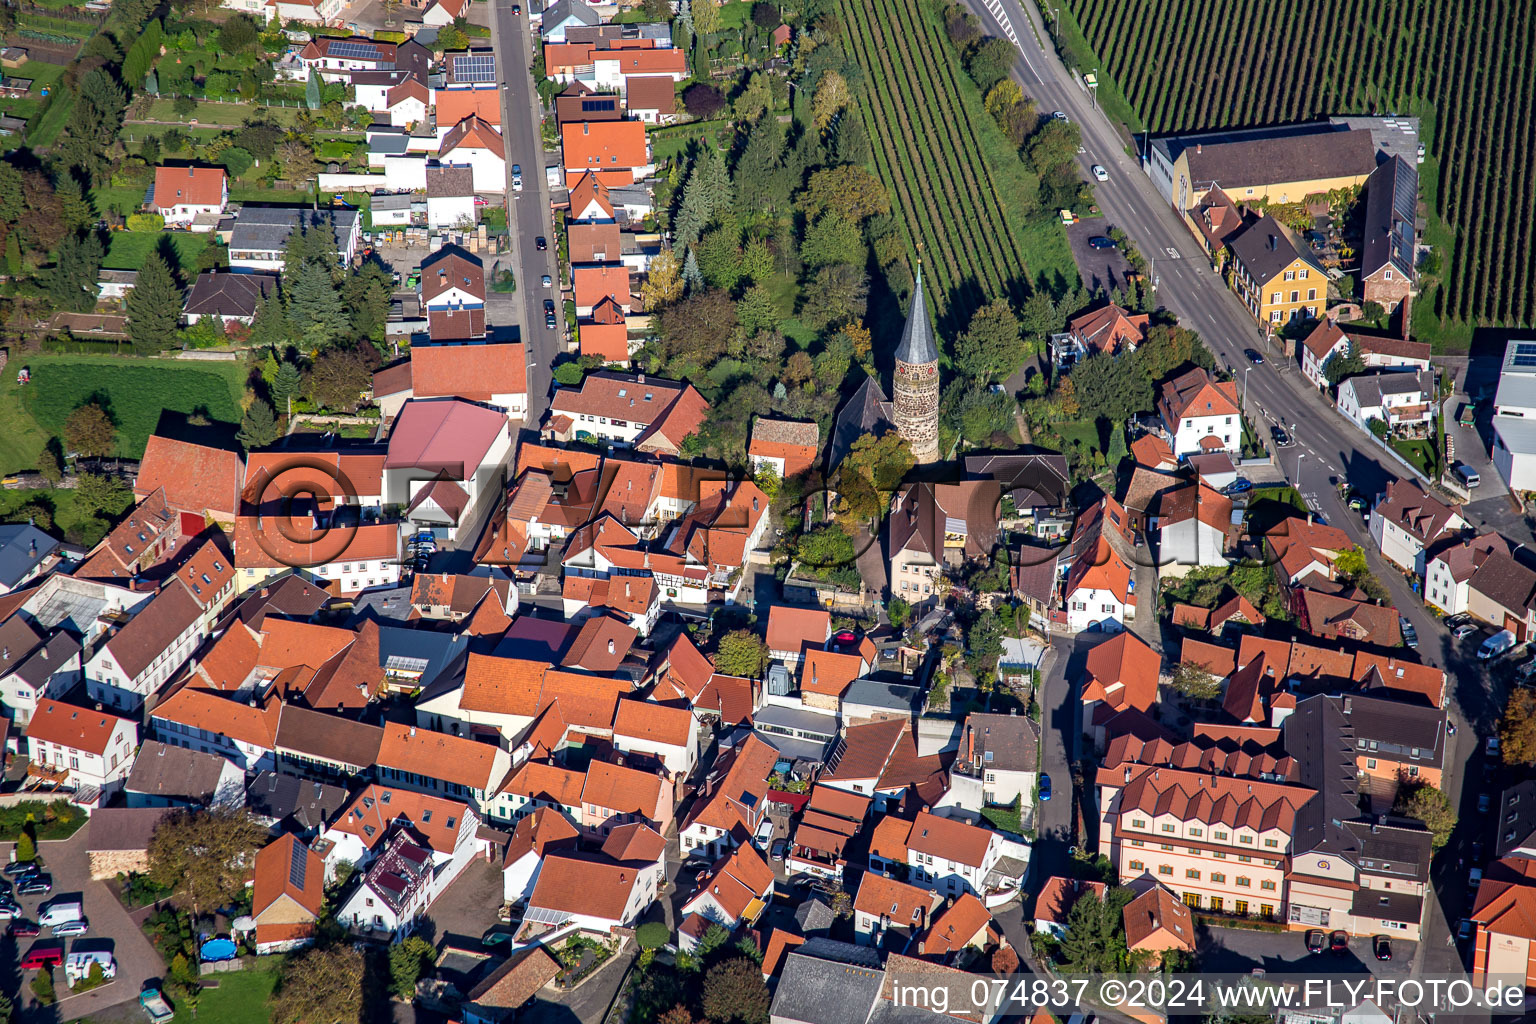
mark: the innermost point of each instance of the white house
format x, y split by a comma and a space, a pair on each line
1200, 414
1450, 562
443, 12
1514, 417
998, 758
591, 892
1328, 339
170, 776
564, 14
142, 655
447, 444
669, 734
535, 837
260, 235
310, 12
737, 889
32, 669
1098, 588
1405, 402
80, 748
450, 196
1405, 520
183, 193
447, 828
475, 143
1190, 529
395, 891
199, 720
952, 857
888, 912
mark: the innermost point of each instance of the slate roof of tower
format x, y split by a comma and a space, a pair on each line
917, 344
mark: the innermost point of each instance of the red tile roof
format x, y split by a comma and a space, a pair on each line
431, 819
75, 727
793, 629
658, 93
454, 105
287, 867
655, 723
195, 478
949, 838
605, 147
437, 755
473, 132
188, 186
1123, 673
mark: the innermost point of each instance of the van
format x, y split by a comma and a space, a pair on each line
1496, 645
1467, 474
43, 955
77, 966
60, 911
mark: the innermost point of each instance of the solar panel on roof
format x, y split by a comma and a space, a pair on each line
355, 51
475, 67
297, 865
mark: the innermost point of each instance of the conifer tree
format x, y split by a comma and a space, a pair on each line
154, 307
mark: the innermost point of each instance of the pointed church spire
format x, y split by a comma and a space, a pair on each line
917, 345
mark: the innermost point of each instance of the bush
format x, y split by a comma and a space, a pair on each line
652, 935
146, 222
42, 987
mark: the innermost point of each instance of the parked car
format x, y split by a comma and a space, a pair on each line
1100, 173
1383, 947
1474, 878
35, 885
1491, 748
71, 928
1239, 486
1484, 802
1464, 930
1045, 786
517, 8
43, 954
549, 320
541, 243
1057, 115
1280, 437
1464, 630
1495, 645
1357, 504
1101, 242
764, 834
547, 281
20, 867
9, 910
1339, 942
1316, 941
780, 847
24, 929
1410, 635
1254, 356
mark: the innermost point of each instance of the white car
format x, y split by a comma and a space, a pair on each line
1100, 173
517, 184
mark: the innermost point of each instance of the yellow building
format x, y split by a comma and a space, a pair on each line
1277, 165
1275, 275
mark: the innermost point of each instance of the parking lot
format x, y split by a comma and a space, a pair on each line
1102, 270
110, 928
1240, 950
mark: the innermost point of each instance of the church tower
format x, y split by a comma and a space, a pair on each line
915, 396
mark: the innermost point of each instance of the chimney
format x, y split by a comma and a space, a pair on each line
1349, 705
44, 654
98, 705
413, 731
1199, 147
639, 378
586, 128
610, 646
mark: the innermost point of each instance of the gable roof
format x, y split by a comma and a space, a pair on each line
377, 809
228, 295
652, 92
1267, 247
602, 146
1110, 329
474, 371
794, 629
188, 186
1123, 673
1058, 894
1158, 911
1195, 393
473, 132
949, 838
195, 477
437, 755
1423, 516
1391, 212
591, 885
451, 267
1298, 153
517, 979
180, 775
454, 105
78, 728
287, 867
899, 904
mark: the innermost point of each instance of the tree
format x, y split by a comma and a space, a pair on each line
236, 161
48, 467
320, 986
94, 122
652, 935
367, 293
989, 63
756, 261
1195, 682
26, 847
898, 610
851, 142
339, 376
312, 92
238, 33
703, 101
1013, 114
1053, 145
837, 294
832, 98
756, 310
102, 496
89, 431
706, 196
72, 283
1517, 729
1429, 805
407, 962
766, 16
719, 254
741, 653
761, 178
74, 204
154, 307
1345, 364
755, 99
205, 856
851, 191
663, 284
698, 327
285, 384
991, 347
184, 106
13, 254
1351, 563
1114, 388
734, 993
874, 467
833, 238
706, 17
1095, 938
259, 427
1169, 348
315, 309
270, 327
297, 160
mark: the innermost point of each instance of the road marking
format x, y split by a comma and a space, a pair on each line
1171, 251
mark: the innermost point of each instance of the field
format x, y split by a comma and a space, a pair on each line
1462, 66
241, 998
945, 162
133, 391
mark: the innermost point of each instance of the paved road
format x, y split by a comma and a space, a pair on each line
1329, 448
528, 215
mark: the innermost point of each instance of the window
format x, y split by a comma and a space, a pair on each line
1275, 299
1216, 903
1290, 275
1218, 854
1166, 846
1218, 878
1241, 906
1138, 823
1165, 869
1295, 296
1167, 828
1191, 899
1388, 275
1245, 839
1370, 762
1243, 858
1197, 832
1267, 885
1311, 294
1273, 844
1244, 881
1138, 842
1136, 865
1192, 873
1220, 835
1274, 317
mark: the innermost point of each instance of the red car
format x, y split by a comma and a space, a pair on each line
1339, 943
22, 928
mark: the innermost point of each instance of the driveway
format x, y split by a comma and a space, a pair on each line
137, 960
467, 908
1102, 270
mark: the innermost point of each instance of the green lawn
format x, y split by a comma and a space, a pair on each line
218, 113
1420, 454
129, 249
86, 529
44, 129
241, 998
134, 392
735, 15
